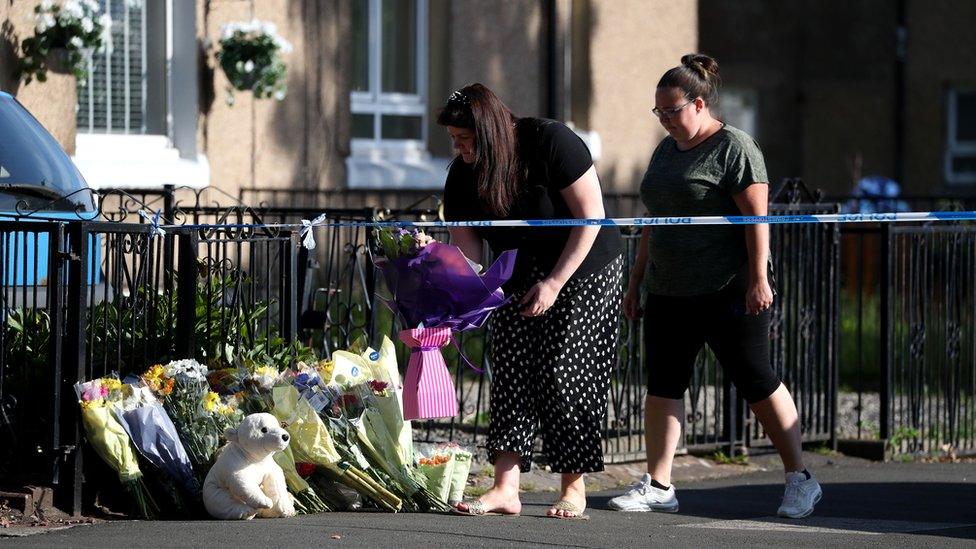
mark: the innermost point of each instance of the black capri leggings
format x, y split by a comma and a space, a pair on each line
676, 328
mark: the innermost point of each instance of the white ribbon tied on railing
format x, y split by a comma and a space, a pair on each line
308, 235
154, 222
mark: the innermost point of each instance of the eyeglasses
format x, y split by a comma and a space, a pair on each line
668, 113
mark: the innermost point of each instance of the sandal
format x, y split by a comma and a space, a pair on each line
478, 508
569, 507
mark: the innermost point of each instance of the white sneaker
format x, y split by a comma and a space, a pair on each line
801, 495
642, 497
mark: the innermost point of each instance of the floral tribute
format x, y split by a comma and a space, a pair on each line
436, 291
350, 445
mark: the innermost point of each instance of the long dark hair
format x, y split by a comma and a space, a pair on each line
475, 107
697, 76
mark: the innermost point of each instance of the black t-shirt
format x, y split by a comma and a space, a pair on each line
556, 157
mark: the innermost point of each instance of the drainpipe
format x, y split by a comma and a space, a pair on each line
901, 55
552, 60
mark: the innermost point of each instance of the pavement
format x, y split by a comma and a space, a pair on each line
866, 504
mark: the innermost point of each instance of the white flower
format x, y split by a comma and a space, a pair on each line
72, 8
249, 66
76, 42
87, 24
92, 5
188, 367
269, 28
279, 95
46, 5
227, 31
45, 21
139, 396
105, 20
283, 45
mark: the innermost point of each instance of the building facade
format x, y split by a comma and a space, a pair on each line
365, 81
841, 90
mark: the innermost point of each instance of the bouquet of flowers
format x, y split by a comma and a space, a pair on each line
306, 500
459, 477
311, 442
182, 386
154, 435
447, 471
435, 291
383, 429
438, 469
110, 440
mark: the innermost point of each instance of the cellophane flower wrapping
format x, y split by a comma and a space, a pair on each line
109, 439
436, 291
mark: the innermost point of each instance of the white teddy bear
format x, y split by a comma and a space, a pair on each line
245, 482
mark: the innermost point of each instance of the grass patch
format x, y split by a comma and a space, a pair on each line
721, 458
824, 450
475, 491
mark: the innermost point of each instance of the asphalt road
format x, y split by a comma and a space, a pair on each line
865, 504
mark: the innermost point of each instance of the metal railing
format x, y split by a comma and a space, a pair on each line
116, 296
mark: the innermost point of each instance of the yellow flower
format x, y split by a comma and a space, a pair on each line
154, 375
210, 401
225, 410
89, 404
325, 367
266, 371
111, 383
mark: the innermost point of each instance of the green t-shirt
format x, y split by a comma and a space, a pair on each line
688, 260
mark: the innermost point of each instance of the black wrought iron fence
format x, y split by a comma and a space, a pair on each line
222, 279
928, 330
905, 371
31, 310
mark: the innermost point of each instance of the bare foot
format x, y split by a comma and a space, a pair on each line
499, 500
574, 494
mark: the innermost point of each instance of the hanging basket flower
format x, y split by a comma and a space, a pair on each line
65, 35
250, 56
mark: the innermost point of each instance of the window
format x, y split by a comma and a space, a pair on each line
112, 98
389, 107
738, 107
960, 159
137, 110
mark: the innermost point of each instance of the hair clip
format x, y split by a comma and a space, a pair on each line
458, 97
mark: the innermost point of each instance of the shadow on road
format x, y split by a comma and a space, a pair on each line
936, 508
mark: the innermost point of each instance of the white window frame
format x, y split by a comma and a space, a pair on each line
376, 103
953, 147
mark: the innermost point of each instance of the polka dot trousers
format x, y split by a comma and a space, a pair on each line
551, 374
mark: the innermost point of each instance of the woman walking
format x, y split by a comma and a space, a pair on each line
554, 346
706, 284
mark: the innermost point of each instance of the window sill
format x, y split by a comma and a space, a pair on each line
379, 169
137, 162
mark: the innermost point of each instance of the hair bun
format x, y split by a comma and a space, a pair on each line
701, 64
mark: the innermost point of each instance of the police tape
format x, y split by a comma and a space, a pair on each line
668, 220
787, 219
